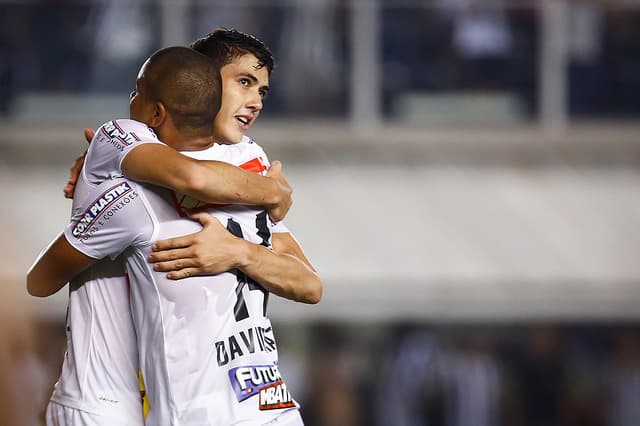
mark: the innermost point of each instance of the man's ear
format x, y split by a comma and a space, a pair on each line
159, 115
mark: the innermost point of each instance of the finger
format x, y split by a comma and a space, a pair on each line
174, 243
75, 171
205, 219
70, 187
174, 265
284, 181
276, 168
76, 167
174, 254
275, 215
184, 273
89, 134
68, 190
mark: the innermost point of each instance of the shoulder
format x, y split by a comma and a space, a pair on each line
249, 145
125, 130
113, 141
110, 218
100, 200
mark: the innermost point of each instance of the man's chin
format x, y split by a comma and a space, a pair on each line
229, 139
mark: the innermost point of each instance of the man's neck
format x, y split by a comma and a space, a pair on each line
193, 144
182, 142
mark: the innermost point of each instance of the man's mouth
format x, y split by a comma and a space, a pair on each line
244, 121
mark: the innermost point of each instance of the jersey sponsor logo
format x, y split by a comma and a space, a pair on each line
117, 136
100, 206
262, 380
275, 396
243, 343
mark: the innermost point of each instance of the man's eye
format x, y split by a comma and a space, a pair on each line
132, 94
244, 81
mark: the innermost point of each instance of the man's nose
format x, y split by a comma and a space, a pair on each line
255, 102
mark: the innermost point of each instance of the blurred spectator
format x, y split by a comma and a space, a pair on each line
541, 376
622, 380
414, 54
410, 387
311, 58
124, 34
622, 59
425, 384
62, 45
482, 40
334, 397
473, 384
222, 13
585, 34
19, 65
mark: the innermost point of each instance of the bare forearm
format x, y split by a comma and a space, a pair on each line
55, 266
208, 181
222, 183
41, 282
280, 273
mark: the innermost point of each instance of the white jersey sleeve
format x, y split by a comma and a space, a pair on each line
112, 218
111, 144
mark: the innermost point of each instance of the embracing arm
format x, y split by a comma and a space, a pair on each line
59, 263
285, 242
209, 181
284, 271
215, 250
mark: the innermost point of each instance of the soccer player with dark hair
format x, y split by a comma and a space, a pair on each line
206, 347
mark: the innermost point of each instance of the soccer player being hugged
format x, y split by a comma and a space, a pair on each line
205, 345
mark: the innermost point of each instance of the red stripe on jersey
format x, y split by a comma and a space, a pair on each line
254, 166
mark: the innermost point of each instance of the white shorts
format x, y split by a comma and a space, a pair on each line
288, 418
61, 415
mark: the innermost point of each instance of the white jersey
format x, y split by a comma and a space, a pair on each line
100, 368
207, 349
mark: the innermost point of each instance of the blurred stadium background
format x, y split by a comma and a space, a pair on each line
466, 181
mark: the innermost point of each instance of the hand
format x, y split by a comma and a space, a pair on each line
211, 251
278, 211
70, 187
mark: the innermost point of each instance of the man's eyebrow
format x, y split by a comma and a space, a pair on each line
254, 80
250, 76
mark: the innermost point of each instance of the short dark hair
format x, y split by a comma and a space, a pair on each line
189, 86
223, 45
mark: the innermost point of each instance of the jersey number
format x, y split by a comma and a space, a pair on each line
240, 307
